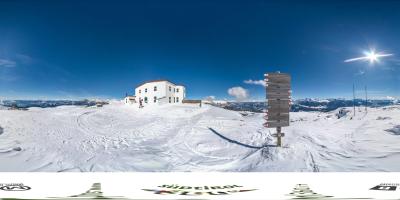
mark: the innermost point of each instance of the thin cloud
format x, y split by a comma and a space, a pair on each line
7, 63
255, 82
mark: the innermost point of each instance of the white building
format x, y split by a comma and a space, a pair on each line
158, 92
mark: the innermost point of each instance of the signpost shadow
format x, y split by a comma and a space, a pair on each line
237, 142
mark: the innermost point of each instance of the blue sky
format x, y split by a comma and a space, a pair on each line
80, 49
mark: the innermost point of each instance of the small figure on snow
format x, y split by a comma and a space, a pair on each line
140, 103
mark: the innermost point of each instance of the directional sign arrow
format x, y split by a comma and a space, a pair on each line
277, 79
278, 103
278, 88
271, 124
270, 114
278, 91
278, 135
276, 117
276, 74
278, 98
277, 94
279, 85
274, 110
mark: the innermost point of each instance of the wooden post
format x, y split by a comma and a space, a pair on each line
278, 103
279, 137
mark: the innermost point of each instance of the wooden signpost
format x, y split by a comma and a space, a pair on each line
278, 103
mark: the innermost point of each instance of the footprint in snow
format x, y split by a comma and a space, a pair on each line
17, 149
383, 118
395, 130
10, 150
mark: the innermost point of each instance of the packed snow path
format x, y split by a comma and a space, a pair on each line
118, 137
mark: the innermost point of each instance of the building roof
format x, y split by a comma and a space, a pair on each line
158, 80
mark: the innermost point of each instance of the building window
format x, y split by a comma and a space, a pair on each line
177, 99
155, 88
170, 88
155, 99
140, 91
174, 99
145, 99
177, 89
145, 90
174, 89
169, 99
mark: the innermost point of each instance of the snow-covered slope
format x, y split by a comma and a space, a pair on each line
118, 137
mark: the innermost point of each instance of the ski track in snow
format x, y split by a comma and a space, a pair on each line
118, 137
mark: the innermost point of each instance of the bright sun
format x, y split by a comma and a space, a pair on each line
370, 56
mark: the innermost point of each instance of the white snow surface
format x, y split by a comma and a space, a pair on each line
120, 137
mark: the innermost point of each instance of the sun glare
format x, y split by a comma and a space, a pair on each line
370, 56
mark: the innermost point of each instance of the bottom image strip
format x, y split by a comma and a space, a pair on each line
152, 186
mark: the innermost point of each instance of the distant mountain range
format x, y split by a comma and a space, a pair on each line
325, 105
307, 105
22, 104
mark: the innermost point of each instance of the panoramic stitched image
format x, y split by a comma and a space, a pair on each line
199, 86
